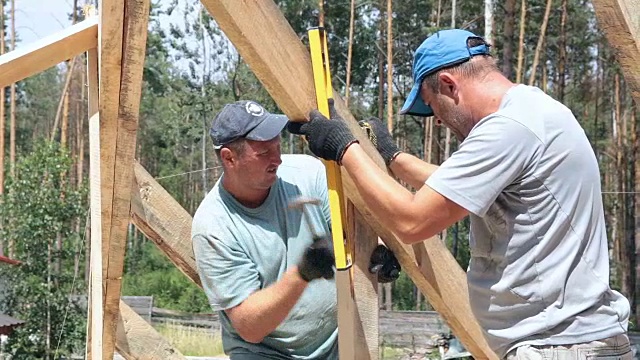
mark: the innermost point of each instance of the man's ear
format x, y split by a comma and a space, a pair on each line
227, 157
448, 85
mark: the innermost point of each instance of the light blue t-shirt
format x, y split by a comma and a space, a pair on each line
241, 250
539, 268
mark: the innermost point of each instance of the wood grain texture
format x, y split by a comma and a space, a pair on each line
95, 296
278, 58
95, 308
164, 221
620, 22
137, 339
118, 137
49, 51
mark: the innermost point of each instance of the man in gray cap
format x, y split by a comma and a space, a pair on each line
259, 264
526, 175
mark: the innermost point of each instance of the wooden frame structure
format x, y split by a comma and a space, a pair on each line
122, 190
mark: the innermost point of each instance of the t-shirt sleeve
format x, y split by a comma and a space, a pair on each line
496, 154
227, 274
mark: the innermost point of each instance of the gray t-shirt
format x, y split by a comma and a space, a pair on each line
241, 250
539, 268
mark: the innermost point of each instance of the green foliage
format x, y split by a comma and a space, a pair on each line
41, 207
151, 273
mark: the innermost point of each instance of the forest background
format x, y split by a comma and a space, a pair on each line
192, 70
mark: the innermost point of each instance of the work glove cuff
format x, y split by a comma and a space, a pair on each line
381, 138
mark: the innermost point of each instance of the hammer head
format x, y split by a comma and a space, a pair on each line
301, 201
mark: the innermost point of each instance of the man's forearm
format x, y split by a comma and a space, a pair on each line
411, 170
262, 312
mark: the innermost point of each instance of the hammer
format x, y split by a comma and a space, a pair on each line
301, 203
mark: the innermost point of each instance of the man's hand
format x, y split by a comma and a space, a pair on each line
318, 262
384, 264
381, 138
328, 139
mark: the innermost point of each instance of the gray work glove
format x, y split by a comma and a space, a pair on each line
328, 139
318, 261
381, 139
384, 264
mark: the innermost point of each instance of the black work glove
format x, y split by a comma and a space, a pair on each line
384, 264
328, 139
381, 139
318, 261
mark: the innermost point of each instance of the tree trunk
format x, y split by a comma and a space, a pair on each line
352, 16
2, 109
615, 224
488, 21
562, 52
381, 80
630, 207
543, 31
321, 13
523, 18
12, 127
2, 123
204, 115
390, 66
507, 45
636, 194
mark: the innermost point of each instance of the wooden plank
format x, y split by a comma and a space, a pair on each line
49, 51
619, 21
164, 221
94, 327
120, 90
365, 288
95, 300
137, 339
280, 61
110, 35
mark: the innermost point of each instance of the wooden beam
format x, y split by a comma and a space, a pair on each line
619, 21
94, 348
123, 36
164, 221
364, 298
137, 339
95, 303
110, 68
280, 61
49, 51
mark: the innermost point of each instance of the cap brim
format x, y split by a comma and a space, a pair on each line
269, 128
414, 104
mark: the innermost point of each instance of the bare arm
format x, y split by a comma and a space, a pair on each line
411, 170
412, 217
262, 312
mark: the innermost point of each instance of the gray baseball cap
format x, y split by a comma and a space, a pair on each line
245, 119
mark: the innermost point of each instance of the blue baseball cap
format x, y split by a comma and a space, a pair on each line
443, 49
245, 119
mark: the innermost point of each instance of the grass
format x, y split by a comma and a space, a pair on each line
192, 341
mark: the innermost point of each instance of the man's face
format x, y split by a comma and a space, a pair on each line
258, 162
448, 110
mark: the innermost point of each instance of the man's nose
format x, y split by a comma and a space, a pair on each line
277, 158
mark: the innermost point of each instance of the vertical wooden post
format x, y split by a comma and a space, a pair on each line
95, 311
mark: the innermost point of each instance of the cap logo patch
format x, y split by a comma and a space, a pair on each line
254, 109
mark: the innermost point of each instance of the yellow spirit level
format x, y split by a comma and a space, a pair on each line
324, 92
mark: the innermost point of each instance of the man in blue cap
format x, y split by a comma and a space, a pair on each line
526, 175
262, 267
